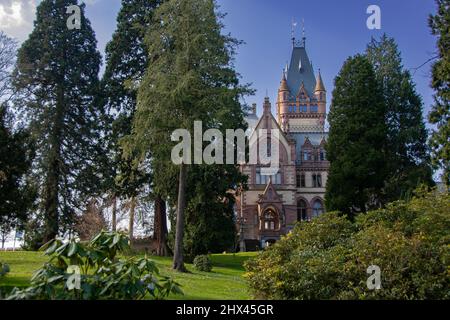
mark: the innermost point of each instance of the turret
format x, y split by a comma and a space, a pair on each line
320, 93
283, 97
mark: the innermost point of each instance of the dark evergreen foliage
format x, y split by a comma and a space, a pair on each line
57, 77
357, 141
407, 150
440, 114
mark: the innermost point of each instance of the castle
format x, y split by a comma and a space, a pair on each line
273, 204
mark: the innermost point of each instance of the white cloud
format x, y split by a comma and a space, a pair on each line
16, 17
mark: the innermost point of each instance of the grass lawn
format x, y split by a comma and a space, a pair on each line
225, 282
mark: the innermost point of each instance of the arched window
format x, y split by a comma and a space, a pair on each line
317, 208
270, 220
302, 210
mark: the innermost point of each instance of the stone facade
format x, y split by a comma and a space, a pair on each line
273, 204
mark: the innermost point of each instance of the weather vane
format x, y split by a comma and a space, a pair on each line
303, 32
293, 25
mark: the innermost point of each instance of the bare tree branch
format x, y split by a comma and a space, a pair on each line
423, 64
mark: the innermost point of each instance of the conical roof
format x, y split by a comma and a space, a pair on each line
319, 83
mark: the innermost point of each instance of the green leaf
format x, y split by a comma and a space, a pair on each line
72, 249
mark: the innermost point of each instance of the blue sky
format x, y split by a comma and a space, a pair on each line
334, 31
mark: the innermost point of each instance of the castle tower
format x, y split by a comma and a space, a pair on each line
274, 203
301, 103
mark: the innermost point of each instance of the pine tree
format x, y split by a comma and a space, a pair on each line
407, 149
357, 140
57, 72
191, 79
440, 114
126, 62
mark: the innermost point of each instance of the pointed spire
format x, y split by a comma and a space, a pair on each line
267, 105
283, 84
319, 83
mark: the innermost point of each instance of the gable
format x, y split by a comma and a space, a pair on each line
268, 122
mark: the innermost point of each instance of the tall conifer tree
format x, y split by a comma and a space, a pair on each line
191, 78
57, 73
407, 150
357, 140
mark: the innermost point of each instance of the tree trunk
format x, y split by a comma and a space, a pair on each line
131, 222
178, 259
51, 189
51, 204
114, 214
160, 227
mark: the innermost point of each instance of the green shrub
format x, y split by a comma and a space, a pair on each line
328, 257
4, 269
203, 263
92, 271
